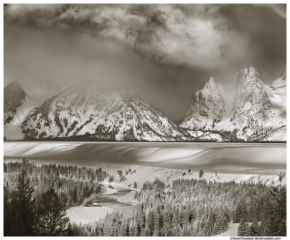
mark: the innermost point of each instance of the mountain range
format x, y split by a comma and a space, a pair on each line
245, 110
249, 110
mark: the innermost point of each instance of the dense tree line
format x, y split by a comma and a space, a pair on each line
73, 182
272, 214
36, 197
190, 208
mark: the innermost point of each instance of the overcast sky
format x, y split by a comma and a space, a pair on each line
165, 53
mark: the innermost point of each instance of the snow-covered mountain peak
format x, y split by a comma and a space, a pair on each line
20, 98
94, 114
248, 75
211, 83
250, 111
247, 109
207, 109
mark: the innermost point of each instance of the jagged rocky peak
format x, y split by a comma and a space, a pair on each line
255, 110
210, 84
211, 87
212, 93
207, 108
248, 75
250, 89
248, 82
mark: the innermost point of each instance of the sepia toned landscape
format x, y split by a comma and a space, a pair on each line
145, 120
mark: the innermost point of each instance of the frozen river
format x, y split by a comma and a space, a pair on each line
99, 205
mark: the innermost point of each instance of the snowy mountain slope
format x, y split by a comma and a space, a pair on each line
208, 107
258, 111
82, 112
248, 111
19, 99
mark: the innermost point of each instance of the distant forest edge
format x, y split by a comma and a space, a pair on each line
36, 199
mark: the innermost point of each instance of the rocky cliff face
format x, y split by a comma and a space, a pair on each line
88, 113
258, 111
208, 107
251, 106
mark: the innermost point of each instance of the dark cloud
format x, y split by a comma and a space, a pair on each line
164, 32
162, 52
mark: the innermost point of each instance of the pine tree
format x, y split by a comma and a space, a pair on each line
274, 211
141, 218
191, 215
276, 216
175, 219
210, 224
69, 232
13, 223
247, 230
201, 231
133, 228
124, 231
201, 173
262, 228
241, 212
242, 229
167, 223
150, 221
51, 213
207, 230
255, 228
24, 201
216, 229
156, 225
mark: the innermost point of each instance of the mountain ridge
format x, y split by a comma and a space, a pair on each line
116, 115
255, 112
254, 115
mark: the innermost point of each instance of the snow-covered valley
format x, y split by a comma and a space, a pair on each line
233, 158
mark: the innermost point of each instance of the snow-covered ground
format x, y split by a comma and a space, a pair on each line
166, 161
144, 174
231, 232
84, 215
230, 158
141, 162
128, 198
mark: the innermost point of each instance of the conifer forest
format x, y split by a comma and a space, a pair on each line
36, 199
145, 119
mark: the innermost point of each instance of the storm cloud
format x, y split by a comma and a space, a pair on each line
162, 52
